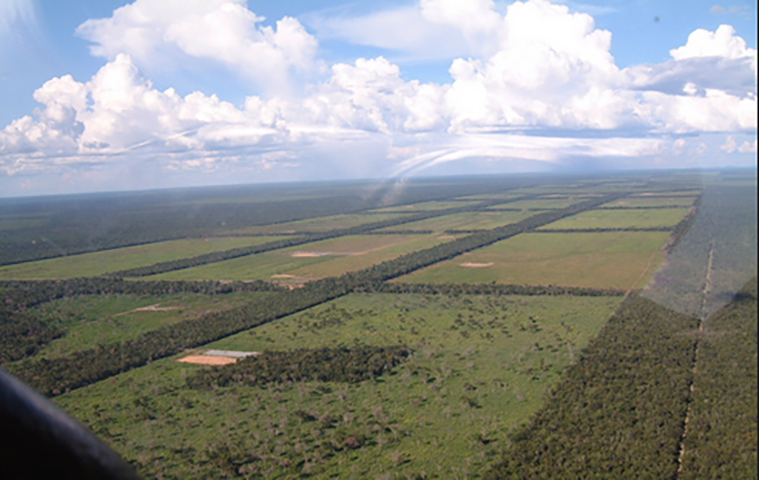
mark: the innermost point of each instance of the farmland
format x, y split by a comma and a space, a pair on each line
609, 259
311, 261
102, 319
626, 218
320, 224
440, 342
98, 263
464, 221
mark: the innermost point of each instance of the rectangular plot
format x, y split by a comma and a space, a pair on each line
426, 206
464, 221
542, 203
598, 260
311, 261
90, 320
620, 219
632, 202
98, 263
321, 224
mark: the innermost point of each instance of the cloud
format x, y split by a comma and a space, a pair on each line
743, 10
157, 32
543, 87
720, 43
748, 147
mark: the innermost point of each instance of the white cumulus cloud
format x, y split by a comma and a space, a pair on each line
153, 32
533, 70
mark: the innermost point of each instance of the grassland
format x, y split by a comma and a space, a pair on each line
427, 206
101, 319
463, 221
98, 263
542, 203
311, 261
480, 366
600, 260
321, 224
658, 201
621, 219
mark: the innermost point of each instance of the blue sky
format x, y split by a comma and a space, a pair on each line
113, 95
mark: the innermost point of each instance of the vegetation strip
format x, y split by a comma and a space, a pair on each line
619, 411
722, 431
349, 365
603, 230
59, 375
453, 289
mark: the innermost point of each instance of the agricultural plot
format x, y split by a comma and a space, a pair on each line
479, 367
98, 263
321, 224
311, 261
658, 218
542, 203
490, 196
426, 206
101, 319
681, 201
594, 259
463, 221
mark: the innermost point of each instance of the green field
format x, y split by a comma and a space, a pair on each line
463, 221
480, 366
100, 319
621, 219
426, 206
310, 261
633, 201
98, 263
321, 224
600, 260
542, 203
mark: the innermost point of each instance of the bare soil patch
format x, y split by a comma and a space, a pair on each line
476, 265
149, 308
207, 360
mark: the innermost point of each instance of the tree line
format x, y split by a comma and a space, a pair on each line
340, 364
684, 225
457, 289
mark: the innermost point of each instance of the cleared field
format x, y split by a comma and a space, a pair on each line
480, 367
678, 201
463, 221
321, 224
490, 196
89, 320
621, 219
426, 206
311, 261
98, 263
556, 202
599, 260
688, 193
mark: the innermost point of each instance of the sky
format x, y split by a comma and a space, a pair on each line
107, 95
